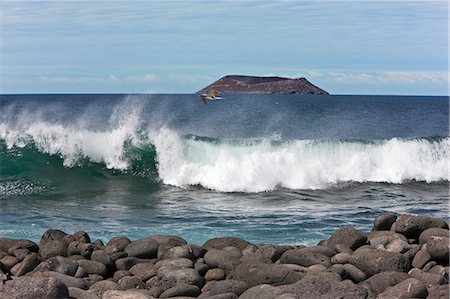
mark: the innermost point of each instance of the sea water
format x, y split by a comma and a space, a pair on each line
284, 169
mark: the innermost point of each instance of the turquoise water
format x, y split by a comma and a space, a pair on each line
284, 169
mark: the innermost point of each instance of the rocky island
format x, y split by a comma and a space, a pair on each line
253, 84
403, 256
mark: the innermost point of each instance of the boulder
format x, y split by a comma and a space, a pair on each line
215, 274
68, 280
144, 271
93, 267
116, 244
53, 235
142, 248
220, 243
169, 240
381, 281
384, 221
181, 251
427, 234
52, 248
409, 288
439, 248
102, 257
398, 246
28, 264
304, 257
411, 226
36, 287
128, 294
81, 236
354, 273
131, 282
428, 279
225, 286
176, 262
20, 253
372, 261
7, 243
100, 287
272, 252
181, 290
121, 273
340, 258
77, 293
263, 291
347, 236
272, 274
216, 258
8, 262
207, 295
127, 262
170, 276
421, 258
58, 264
321, 285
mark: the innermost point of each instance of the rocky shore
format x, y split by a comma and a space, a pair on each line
404, 256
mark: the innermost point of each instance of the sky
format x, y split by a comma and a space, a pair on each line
345, 47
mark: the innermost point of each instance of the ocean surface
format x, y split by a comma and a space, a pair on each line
284, 169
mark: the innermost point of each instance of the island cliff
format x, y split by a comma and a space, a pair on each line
252, 84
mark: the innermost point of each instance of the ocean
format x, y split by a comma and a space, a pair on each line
282, 169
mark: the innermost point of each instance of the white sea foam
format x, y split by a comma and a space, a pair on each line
301, 164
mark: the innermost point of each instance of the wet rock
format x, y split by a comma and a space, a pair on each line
181, 290
263, 291
131, 282
304, 257
142, 248
348, 237
372, 261
381, 281
116, 244
411, 226
384, 221
28, 264
273, 274
58, 264
35, 287
220, 243
93, 267
225, 286
144, 271
409, 288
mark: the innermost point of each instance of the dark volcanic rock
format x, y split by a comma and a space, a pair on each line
6, 244
131, 282
181, 290
93, 267
381, 281
68, 280
439, 248
253, 84
273, 274
28, 264
263, 291
59, 264
168, 240
116, 244
143, 270
36, 287
347, 236
304, 258
142, 248
372, 261
220, 243
384, 221
225, 286
427, 234
409, 288
101, 287
52, 248
411, 226
52, 235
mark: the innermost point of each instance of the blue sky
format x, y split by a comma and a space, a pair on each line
345, 47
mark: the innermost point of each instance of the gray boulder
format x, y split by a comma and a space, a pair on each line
142, 248
58, 264
68, 280
428, 279
411, 226
372, 261
427, 234
220, 243
381, 281
409, 288
176, 262
272, 274
102, 286
131, 282
384, 221
169, 240
93, 267
116, 244
7, 243
52, 248
170, 276
421, 258
36, 287
263, 291
144, 271
28, 264
181, 290
439, 248
347, 236
225, 286
304, 258
77, 293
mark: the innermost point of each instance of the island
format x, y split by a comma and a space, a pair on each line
254, 84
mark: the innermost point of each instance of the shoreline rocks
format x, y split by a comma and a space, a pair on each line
403, 256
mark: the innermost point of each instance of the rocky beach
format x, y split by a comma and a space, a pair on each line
404, 256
